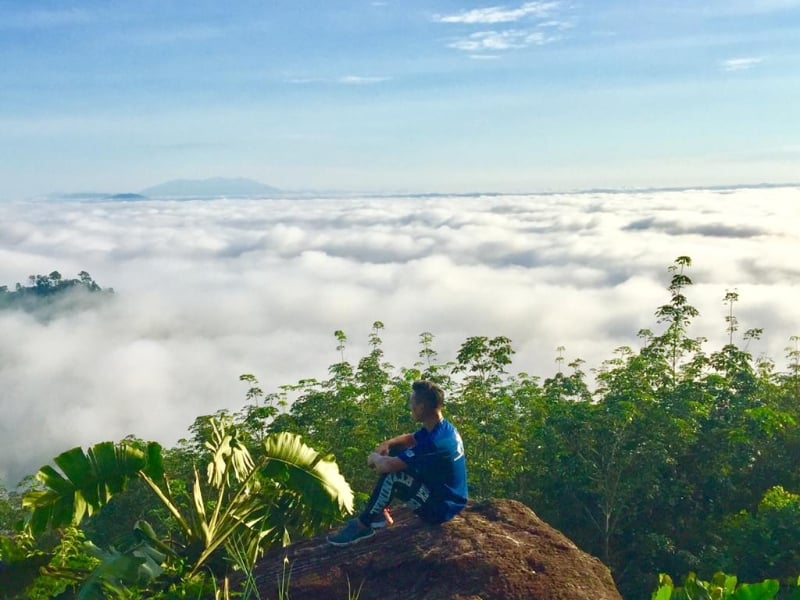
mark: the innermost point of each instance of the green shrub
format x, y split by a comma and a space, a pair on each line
766, 543
721, 587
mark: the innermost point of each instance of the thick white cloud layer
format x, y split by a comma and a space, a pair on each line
208, 290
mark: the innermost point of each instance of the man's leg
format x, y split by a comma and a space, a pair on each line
360, 528
403, 485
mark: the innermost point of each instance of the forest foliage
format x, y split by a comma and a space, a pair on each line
53, 293
667, 458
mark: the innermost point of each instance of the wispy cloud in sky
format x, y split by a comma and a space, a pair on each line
741, 64
501, 40
526, 24
207, 290
500, 14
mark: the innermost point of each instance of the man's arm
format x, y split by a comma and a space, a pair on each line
385, 464
380, 459
405, 440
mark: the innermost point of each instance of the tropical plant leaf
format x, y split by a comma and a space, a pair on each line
665, 587
305, 490
87, 482
54, 480
77, 468
51, 507
119, 570
145, 532
766, 590
227, 452
154, 467
303, 469
200, 511
114, 464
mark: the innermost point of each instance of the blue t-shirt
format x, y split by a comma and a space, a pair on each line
438, 460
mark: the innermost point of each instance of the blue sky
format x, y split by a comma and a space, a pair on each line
405, 96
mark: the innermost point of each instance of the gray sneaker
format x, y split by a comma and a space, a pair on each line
351, 533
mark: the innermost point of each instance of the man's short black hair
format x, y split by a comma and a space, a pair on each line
429, 393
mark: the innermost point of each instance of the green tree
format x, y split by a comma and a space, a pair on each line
48, 293
673, 344
485, 414
349, 413
10, 510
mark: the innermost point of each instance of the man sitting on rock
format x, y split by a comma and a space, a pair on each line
429, 474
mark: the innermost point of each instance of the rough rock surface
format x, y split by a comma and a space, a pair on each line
494, 550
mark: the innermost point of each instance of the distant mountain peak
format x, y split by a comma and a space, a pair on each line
212, 187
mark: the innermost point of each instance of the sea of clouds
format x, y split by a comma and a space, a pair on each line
208, 290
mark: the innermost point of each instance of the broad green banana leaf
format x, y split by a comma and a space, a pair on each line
86, 482
299, 467
301, 489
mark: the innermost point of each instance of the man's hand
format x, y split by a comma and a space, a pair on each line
382, 449
373, 459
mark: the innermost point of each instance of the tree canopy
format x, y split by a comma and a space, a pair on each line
46, 293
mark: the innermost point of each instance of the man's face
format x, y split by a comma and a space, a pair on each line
417, 408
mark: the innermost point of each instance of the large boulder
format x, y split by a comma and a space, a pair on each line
494, 550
